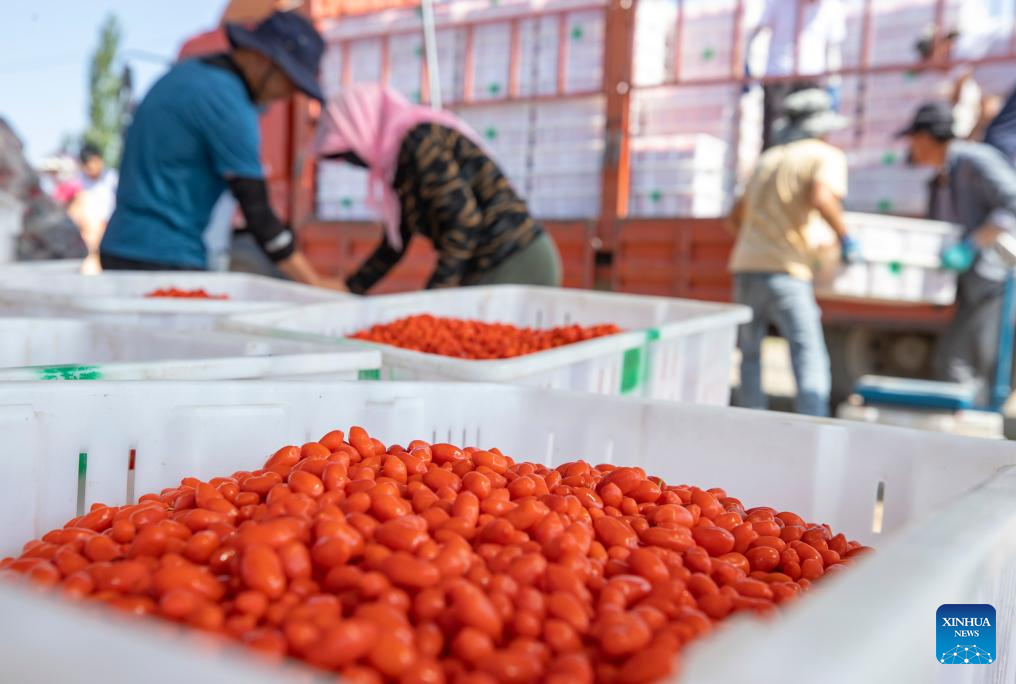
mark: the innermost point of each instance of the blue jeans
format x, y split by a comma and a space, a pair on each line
789, 303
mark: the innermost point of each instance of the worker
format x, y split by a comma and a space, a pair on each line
430, 174
46, 230
797, 184
1001, 132
93, 204
196, 134
805, 41
951, 51
975, 187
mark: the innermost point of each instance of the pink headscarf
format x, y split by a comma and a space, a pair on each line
372, 121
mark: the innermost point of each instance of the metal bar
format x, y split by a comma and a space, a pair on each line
469, 65
737, 53
430, 49
386, 61
347, 69
867, 47
514, 61
738, 71
679, 41
527, 99
1012, 32
940, 7
424, 81
798, 29
562, 53
619, 44
1003, 371
845, 71
484, 21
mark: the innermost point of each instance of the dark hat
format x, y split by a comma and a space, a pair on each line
935, 118
925, 43
89, 150
291, 42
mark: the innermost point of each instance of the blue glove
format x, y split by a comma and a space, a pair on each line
960, 257
850, 250
835, 97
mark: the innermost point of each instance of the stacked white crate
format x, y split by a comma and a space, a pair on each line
492, 48
505, 130
406, 56
892, 98
342, 193
678, 175
556, 148
888, 187
710, 110
655, 40
451, 58
584, 51
896, 26
567, 158
538, 43
707, 39
900, 261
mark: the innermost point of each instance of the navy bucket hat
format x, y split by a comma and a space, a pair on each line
291, 42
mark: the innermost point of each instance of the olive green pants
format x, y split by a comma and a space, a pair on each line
538, 263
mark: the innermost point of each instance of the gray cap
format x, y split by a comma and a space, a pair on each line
807, 114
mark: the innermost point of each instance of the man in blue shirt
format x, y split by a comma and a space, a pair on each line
196, 134
976, 188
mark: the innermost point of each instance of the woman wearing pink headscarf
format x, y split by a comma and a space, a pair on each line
429, 174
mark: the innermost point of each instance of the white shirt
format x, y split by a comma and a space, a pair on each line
824, 24
99, 194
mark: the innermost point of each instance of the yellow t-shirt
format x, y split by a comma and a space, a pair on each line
778, 215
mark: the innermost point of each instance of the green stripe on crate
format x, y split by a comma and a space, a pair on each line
372, 374
82, 472
635, 367
70, 372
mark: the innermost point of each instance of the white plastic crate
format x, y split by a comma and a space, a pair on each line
900, 261
888, 189
655, 34
944, 527
342, 193
706, 40
670, 348
678, 175
11, 213
43, 266
584, 51
406, 55
365, 60
984, 424
492, 56
76, 349
538, 42
659, 203
119, 297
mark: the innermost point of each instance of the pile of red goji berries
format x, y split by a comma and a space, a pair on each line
475, 339
431, 563
176, 293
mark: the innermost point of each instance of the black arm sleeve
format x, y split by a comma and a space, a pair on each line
275, 239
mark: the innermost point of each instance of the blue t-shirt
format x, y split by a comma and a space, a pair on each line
196, 127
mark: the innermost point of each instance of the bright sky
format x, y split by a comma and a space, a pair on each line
47, 46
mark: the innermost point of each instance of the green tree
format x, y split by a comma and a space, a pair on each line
107, 105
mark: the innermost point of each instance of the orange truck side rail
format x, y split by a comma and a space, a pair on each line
688, 258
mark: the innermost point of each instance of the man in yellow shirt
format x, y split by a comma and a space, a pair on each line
796, 185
